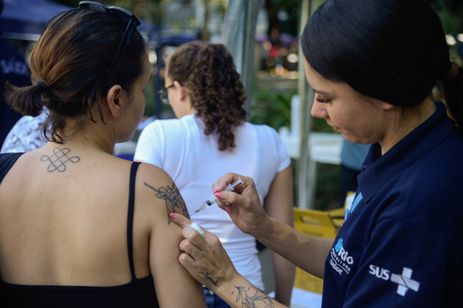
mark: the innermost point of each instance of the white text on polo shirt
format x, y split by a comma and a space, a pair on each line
340, 260
404, 281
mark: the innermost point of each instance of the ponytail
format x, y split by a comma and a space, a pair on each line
26, 100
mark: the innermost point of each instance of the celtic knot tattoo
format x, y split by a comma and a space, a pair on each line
250, 297
59, 159
173, 199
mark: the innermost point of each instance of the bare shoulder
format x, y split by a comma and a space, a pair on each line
158, 192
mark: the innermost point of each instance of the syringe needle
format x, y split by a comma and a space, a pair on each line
206, 204
212, 200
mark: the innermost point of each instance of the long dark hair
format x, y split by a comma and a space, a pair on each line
69, 67
216, 91
392, 50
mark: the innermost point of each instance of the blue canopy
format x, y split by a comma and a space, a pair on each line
26, 19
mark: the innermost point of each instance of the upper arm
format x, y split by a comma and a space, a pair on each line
174, 286
279, 201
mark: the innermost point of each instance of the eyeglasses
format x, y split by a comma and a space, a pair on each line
125, 15
163, 94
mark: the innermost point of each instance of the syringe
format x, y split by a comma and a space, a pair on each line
213, 200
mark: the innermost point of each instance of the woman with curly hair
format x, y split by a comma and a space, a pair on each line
210, 137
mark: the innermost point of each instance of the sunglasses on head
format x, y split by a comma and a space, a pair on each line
125, 15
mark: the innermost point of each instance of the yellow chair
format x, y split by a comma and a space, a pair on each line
318, 223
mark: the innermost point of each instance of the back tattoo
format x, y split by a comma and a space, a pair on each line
60, 159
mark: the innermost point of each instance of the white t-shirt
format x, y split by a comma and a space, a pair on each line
26, 134
193, 160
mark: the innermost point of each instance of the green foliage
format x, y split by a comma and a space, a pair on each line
327, 187
271, 107
449, 12
283, 15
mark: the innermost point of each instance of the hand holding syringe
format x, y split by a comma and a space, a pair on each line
211, 201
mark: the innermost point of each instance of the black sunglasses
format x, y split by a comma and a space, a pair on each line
125, 15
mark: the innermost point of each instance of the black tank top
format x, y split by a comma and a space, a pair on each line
136, 293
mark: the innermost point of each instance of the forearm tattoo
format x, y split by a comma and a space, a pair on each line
251, 296
60, 159
209, 278
173, 199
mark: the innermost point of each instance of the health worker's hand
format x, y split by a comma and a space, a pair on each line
203, 255
242, 204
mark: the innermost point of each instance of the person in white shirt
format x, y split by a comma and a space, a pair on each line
210, 137
26, 135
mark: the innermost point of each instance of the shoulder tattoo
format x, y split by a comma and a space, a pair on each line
172, 198
60, 159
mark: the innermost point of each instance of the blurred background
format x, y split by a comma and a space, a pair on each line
262, 35
270, 69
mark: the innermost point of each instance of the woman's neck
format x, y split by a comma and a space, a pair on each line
95, 136
404, 121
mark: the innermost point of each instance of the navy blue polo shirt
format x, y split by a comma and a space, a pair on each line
402, 241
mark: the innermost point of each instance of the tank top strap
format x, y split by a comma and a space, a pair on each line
7, 161
133, 174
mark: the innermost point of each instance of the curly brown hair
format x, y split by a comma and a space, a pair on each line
216, 92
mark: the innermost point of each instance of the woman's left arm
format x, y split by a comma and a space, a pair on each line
279, 204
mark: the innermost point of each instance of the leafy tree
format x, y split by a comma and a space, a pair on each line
283, 16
